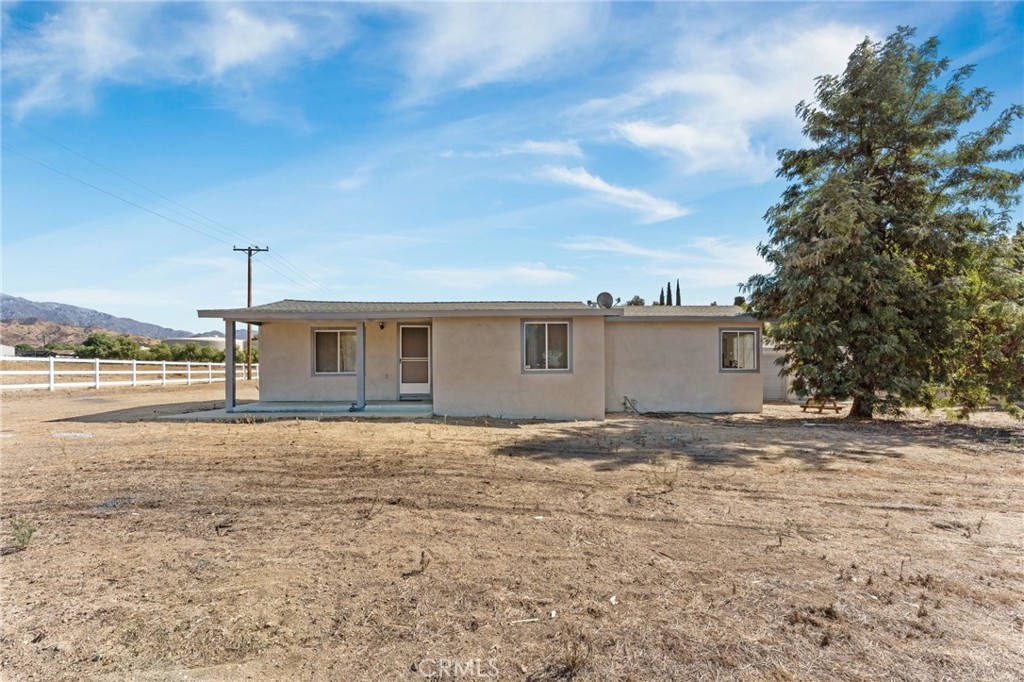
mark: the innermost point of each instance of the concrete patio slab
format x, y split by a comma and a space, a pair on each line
266, 411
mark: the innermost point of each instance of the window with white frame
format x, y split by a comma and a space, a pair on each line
334, 351
738, 350
546, 346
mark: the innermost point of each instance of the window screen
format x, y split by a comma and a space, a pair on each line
739, 350
546, 345
335, 351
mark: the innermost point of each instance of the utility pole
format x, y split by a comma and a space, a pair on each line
249, 250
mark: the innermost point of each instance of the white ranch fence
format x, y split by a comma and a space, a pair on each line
60, 373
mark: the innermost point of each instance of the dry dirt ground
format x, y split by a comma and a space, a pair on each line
779, 546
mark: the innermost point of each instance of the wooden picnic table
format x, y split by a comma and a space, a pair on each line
820, 404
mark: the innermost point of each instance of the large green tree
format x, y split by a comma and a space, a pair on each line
893, 268
108, 347
987, 358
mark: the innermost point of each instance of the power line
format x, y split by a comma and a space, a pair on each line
288, 264
111, 194
224, 229
290, 279
249, 250
152, 191
210, 222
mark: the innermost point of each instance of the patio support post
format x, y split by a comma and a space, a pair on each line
229, 365
361, 365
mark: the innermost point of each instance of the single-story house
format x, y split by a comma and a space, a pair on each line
777, 388
514, 359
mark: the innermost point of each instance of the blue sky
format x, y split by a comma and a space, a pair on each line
418, 152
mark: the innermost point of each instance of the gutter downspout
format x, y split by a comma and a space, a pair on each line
229, 366
360, 368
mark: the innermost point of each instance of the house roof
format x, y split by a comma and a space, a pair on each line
694, 313
290, 309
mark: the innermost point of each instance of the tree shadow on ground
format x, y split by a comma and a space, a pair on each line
156, 413
735, 441
148, 412
483, 422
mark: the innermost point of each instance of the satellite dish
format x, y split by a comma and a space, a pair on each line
605, 300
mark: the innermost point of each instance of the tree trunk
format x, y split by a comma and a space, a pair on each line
861, 409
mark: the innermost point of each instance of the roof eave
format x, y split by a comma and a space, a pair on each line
685, 318
255, 316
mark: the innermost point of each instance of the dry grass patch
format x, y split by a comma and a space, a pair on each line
776, 546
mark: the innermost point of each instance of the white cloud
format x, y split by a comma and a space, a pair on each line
476, 278
354, 180
235, 38
729, 101
466, 45
695, 249
533, 147
699, 263
617, 246
551, 148
652, 208
709, 147
62, 62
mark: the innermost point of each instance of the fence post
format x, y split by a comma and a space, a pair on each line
135, 373
96, 372
52, 378
163, 373
188, 373
209, 372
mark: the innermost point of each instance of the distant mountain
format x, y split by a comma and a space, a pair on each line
14, 308
239, 334
37, 333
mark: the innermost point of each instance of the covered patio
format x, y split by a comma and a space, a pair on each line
359, 405
415, 359
275, 410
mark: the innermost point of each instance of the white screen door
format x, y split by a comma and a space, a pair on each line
413, 360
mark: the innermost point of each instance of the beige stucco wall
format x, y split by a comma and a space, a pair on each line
286, 364
776, 387
674, 367
667, 366
478, 371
